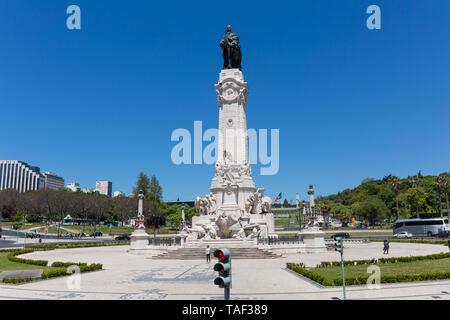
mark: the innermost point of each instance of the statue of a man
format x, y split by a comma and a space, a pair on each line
231, 50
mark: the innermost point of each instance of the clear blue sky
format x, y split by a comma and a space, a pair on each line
350, 103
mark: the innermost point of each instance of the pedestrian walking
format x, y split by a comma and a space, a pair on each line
386, 247
208, 254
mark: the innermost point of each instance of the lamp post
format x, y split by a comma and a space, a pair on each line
183, 218
303, 213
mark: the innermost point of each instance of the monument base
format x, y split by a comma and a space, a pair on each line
314, 240
139, 241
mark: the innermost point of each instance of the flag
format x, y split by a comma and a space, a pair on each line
278, 197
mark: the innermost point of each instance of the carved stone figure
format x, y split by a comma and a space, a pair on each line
266, 205
231, 50
240, 234
245, 169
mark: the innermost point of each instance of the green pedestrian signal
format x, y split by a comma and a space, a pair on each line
339, 244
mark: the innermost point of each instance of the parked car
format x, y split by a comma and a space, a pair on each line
96, 234
403, 234
344, 235
123, 237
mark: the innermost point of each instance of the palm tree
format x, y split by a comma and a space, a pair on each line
445, 182
414, 183
394, 183
439, 183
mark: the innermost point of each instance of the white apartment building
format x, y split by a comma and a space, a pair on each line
73, 186
15, 174
118, 193
104, 187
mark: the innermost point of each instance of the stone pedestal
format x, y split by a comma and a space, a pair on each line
314, 240
139, 241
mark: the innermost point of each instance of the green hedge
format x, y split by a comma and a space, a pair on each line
16, 281
362, 280
62, 267
328, 264
77, 245
426, 241
12, 257
61, 272
67, 264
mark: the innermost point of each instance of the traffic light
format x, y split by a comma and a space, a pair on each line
338, 244
223, 267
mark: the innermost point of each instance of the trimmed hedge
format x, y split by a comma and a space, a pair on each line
62, 266
76, 245
328, 264
67, 264
61, 272
16, 281
362, 280
12, 257
426, 241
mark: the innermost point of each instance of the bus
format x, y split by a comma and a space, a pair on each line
422, 227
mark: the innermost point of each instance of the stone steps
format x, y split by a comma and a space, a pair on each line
199, 254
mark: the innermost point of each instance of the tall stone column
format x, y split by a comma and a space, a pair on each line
232, 183
139, 238
311, 198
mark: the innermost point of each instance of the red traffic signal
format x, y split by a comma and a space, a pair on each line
221, 255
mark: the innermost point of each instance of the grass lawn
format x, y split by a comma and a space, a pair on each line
23, 226
363, 234
6, 265
414, 267
114, 230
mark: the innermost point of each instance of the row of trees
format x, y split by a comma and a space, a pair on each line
391, 198
55, 205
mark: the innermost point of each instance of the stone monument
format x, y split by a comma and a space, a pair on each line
234, 208
139, 238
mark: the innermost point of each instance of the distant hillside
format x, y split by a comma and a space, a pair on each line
378, 200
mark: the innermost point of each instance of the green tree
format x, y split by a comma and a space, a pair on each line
371, 208
439, 185
143, 183
394, 183
445, 184
155, 190
342, 212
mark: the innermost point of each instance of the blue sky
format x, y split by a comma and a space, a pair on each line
101, 103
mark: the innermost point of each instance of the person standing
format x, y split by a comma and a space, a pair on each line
386, 247
208, 254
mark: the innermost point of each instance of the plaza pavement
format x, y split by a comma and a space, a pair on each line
128, 276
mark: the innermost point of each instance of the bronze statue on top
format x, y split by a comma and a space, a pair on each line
231, 50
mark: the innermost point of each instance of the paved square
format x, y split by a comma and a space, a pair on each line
128, 276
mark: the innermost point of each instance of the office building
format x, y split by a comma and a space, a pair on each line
52, 181
15, 174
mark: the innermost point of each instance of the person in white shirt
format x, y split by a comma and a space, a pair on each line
208, 254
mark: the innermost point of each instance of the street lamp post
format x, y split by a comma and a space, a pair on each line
183, 217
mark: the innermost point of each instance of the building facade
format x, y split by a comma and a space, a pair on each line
104, 187
18, 175
73, 186
53, 181
118, 193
